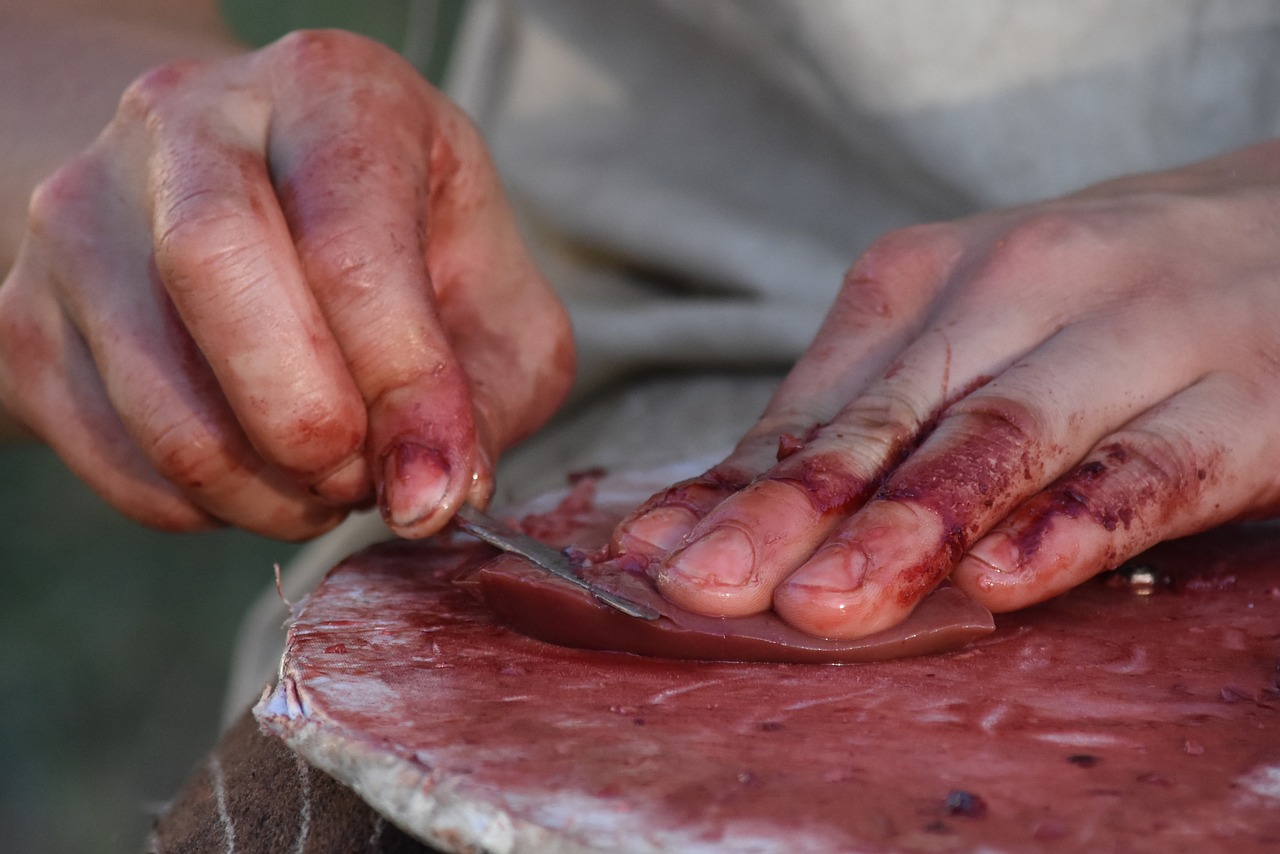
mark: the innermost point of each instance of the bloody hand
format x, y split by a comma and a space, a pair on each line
1020, 400
276, 286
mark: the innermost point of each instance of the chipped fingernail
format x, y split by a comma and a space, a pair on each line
415, 482
724, 557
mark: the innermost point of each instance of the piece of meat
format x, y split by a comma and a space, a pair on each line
542, 606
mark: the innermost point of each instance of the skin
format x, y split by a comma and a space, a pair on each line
283, 284
1019, 400
278, 285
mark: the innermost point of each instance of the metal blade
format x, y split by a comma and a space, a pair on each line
484, 527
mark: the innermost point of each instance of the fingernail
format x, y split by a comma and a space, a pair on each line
347, 484
661, 530
832, 569
724, 557
997, 552
415, 481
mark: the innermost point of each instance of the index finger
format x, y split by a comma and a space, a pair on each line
403, 230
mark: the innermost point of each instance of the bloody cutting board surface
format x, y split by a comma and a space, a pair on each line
1104, 720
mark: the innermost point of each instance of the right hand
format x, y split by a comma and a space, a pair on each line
1018, 400
275, 287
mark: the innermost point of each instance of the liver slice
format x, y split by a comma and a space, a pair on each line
1103, 720
542, 606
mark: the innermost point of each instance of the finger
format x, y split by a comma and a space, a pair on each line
880, 308
225, 254
660, 524
392, 231
507, 329
744, 548
48, 381
156, 382
517, 354
990, 451
1179, 469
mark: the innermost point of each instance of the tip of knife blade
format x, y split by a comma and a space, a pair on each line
496, 533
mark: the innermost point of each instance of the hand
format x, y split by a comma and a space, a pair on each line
1020, 400
274, 286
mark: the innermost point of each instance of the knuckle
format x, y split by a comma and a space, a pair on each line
219, 470
1002, 420
56, 207
837, 462
311, 440
48, 201
203, 233
1039, 239
831, 479
343, 60
318, 44
1048, 229
1158, 462
28, 353
906, 246
191, 455
343, 261
150, 95
795, 421
879, 424
910, 259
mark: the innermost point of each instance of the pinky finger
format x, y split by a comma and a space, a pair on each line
50, 384
1195, 461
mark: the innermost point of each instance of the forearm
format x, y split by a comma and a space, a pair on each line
63, 66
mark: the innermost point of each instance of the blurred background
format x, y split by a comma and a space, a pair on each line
114, 639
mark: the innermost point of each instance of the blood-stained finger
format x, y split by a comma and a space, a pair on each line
415, 261
509, 331
990, 451
360, 231
1185, 466
660, 524
223, 250
880, 309
739, 553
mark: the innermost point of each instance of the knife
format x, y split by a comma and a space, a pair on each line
484, 527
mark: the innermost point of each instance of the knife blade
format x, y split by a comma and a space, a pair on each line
484, 527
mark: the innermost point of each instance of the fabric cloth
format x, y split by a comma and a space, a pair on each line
252, 795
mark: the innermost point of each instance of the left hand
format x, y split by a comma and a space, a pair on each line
1019, 400
275, 285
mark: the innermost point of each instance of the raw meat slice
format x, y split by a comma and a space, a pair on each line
542, 606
